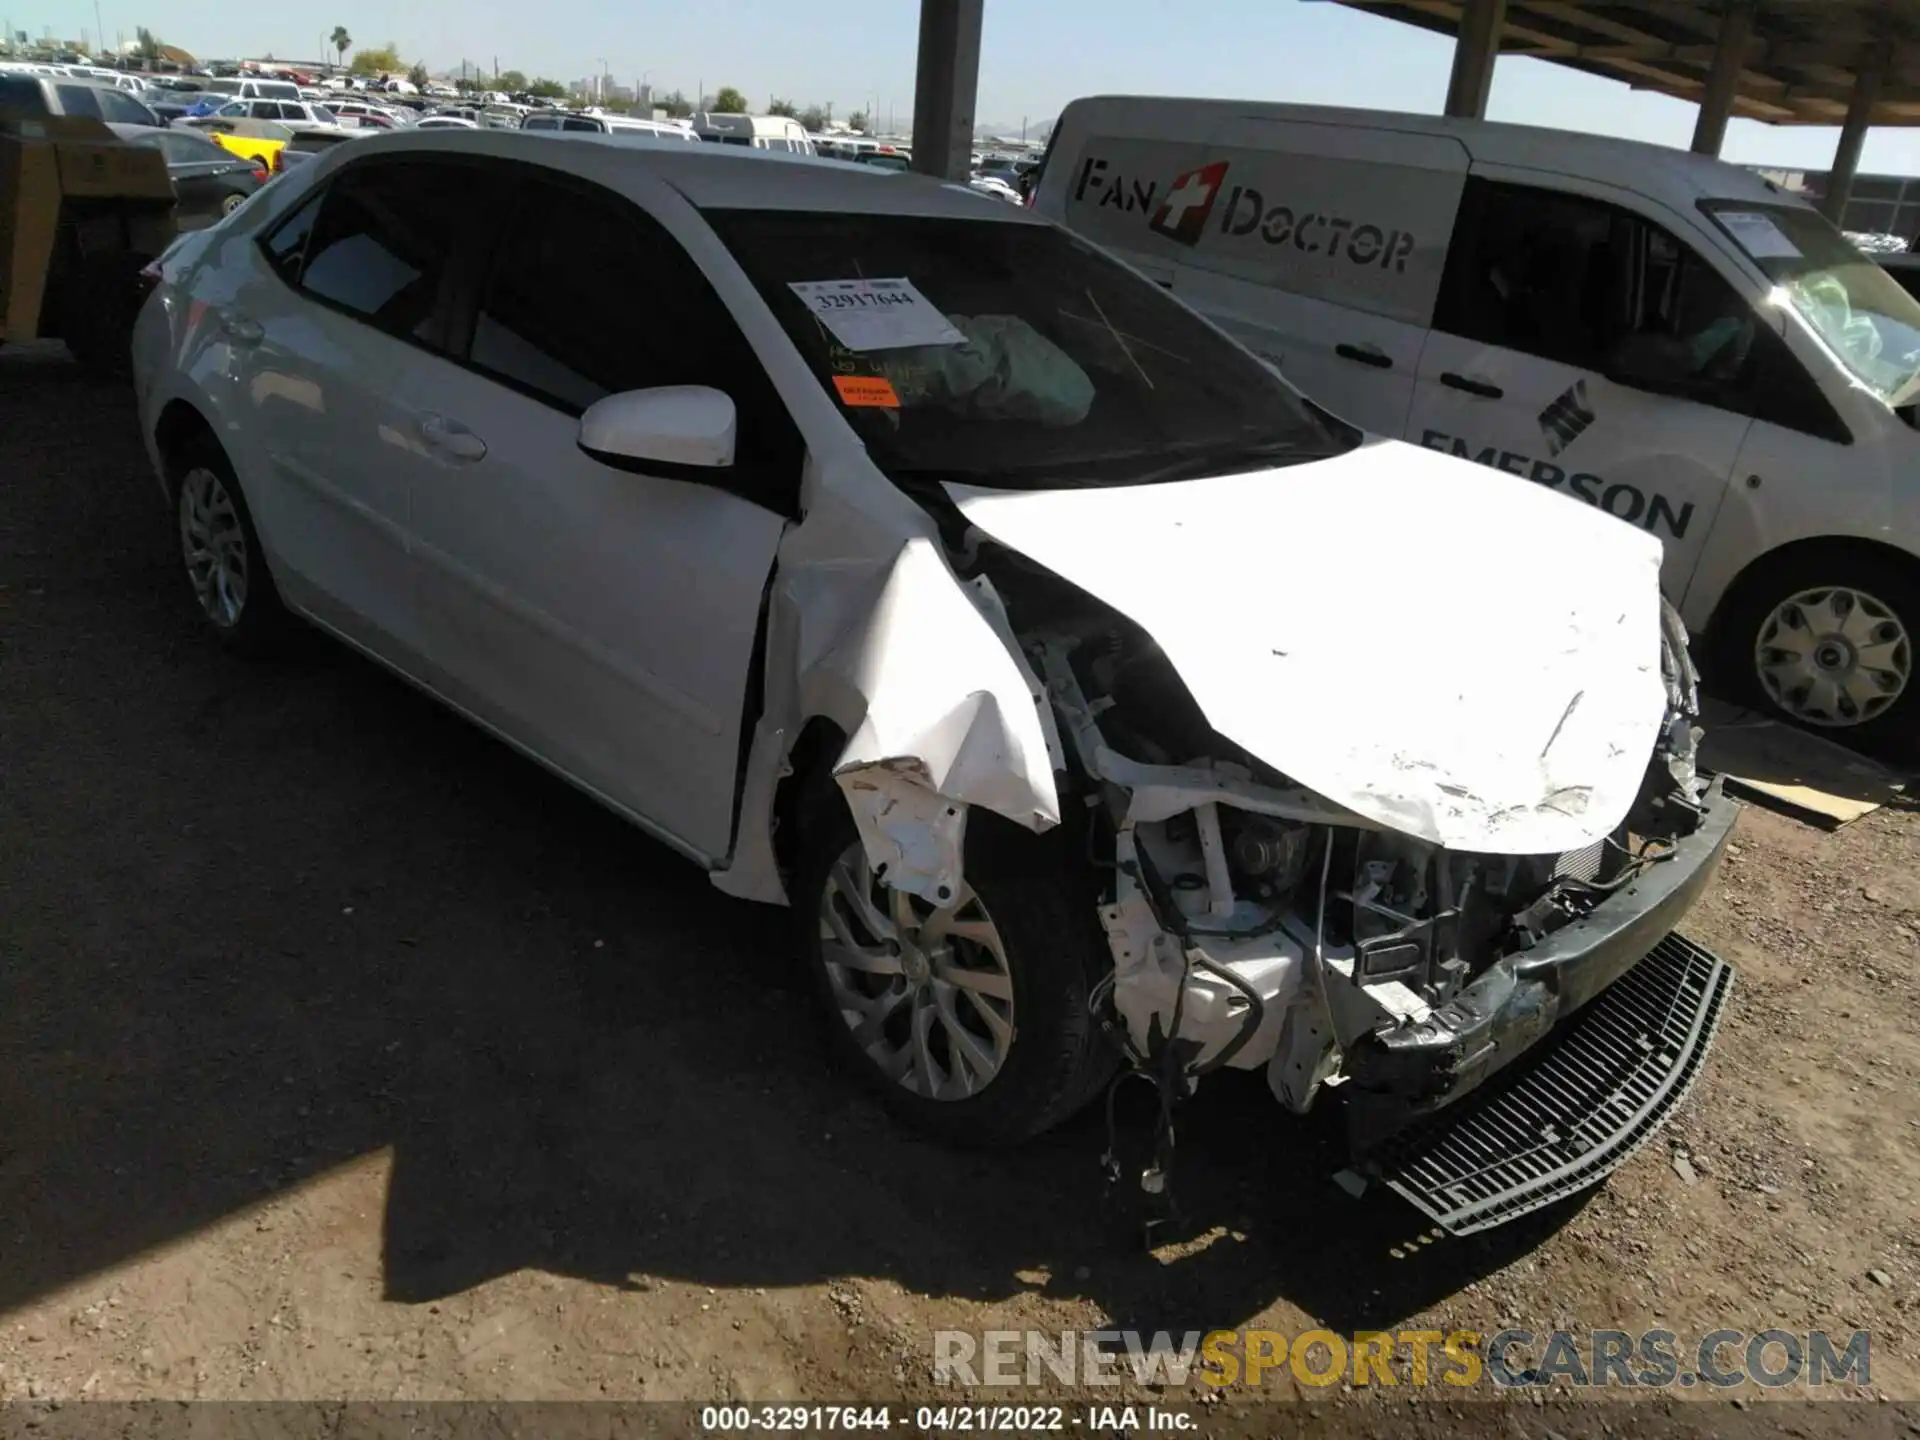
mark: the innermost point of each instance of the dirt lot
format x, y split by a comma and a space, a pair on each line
344, 1054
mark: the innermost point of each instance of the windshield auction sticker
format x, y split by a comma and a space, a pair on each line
866, 390
866, 315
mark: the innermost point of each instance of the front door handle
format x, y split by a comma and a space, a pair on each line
451, 438
1365, 355
243, 329
1472, 387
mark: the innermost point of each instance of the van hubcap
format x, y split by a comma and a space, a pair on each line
1834, 656
926, 992
214, 547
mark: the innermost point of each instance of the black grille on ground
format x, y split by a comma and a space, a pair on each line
1603, 1085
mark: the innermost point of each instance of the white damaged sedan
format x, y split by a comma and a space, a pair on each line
1100, 705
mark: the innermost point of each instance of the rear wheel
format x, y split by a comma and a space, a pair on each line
969, 1020
232, 203
1826, 639
220, 549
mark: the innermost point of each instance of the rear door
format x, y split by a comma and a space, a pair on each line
1583, 346
347, 307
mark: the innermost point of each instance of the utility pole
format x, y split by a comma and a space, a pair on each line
99, 28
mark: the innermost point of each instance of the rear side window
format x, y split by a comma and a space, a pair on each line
380, 244
17, 92
123, 109
595, 126
79, 100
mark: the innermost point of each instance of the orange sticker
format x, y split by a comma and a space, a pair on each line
866, 390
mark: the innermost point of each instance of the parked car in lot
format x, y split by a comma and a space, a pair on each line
1670, 339
569, 122
294, 114
47, 95
255, 140
907, 560
209, 182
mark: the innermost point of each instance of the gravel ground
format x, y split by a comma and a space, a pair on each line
344, 1054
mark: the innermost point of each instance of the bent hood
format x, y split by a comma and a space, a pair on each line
1454, 653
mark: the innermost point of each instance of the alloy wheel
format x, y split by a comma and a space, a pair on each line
926, 991
1833, 656
214, 546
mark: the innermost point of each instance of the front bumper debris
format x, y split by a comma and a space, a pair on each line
1398, 1076
1564, 1122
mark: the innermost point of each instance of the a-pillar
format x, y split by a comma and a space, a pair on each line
946, 85
1474, 50
1723, 80
1853, 134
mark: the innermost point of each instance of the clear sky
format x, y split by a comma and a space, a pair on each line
1035, 56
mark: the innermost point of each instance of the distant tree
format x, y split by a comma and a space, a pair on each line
511, 81
729, 101
382, 60
783, 107
547, 89
814, 118
417, 74
149, 46
464, 85
341, 42
858, 121
676, 104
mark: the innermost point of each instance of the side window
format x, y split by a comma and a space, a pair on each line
79, 100
1531, 271
123, 109
579, 125
381, 241
586, 297
285, 246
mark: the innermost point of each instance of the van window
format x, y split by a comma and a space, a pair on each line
575, 123
1590, 285
1867, 320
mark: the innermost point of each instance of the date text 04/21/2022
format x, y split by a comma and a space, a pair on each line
943, 1419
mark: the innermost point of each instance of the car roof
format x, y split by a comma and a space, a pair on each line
714, 177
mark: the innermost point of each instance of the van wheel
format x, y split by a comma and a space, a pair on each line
1825, 639
969, 1020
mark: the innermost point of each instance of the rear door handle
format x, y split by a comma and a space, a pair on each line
451, 438
243, 330
1365, 355
1472, 387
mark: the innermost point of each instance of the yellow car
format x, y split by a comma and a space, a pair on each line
256, 140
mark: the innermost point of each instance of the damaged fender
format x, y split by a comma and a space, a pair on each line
875, 632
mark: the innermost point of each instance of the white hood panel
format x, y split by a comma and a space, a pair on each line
1458, 654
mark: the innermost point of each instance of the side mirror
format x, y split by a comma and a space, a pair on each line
666, 428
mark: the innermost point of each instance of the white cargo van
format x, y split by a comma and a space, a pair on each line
761, 132
1666, 337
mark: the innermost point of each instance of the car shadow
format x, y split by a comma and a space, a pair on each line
262, 920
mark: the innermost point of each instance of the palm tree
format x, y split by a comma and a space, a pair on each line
149, 47
342, 42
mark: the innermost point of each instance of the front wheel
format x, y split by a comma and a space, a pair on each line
968, 1020
1826, 640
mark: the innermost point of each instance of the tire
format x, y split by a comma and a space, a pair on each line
1055, 1060
1812, 619
101, 300
231, 203
219, 545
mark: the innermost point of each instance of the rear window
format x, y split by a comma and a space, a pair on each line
277, 89
1031, 359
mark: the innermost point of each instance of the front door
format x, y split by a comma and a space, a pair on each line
1583, 347
604, 619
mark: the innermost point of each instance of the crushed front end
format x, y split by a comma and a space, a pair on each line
1254, 924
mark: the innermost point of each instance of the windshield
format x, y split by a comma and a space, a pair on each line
1015, 355
1866, 318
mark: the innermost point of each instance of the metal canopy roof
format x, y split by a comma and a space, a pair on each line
1800, 64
